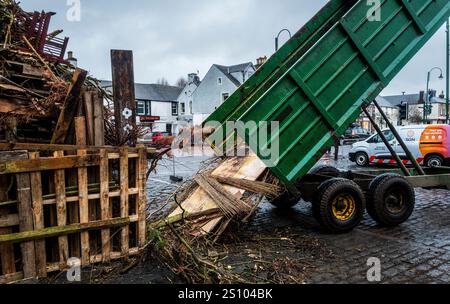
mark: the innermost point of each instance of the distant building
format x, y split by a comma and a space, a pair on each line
391, 111
415, 107
156, 106
218, 84
186, 99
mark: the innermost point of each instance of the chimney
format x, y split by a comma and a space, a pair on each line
260, 61
72, 60
193, 78
442, 95
422, 97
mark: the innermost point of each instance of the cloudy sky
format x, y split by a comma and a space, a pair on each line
171, 38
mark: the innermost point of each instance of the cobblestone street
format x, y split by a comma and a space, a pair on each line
416, 252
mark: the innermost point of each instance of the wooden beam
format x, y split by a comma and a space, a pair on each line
64, 230
123, 91
26, 224
47, 147
99, 120
69, 108
44, 164
89, 110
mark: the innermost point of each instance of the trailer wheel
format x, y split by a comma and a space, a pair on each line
285, 201
339, 205
390, 200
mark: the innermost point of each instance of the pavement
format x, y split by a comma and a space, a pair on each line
415, 252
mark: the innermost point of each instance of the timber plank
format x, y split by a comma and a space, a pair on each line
61, 212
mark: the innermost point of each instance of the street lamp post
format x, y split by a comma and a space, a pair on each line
278, 38
427, 99
447, 57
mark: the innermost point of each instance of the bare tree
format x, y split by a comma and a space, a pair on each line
181, 82
415, 117
162, 81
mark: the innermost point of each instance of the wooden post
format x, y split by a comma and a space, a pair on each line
99, 120
61, 213
26, 224
124, 199
70, 107
89, 112
38, 216
104, 204
142, 196
84, 209
6, 250
124, 94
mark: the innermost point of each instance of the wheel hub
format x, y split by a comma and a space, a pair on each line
344, 207
394, 202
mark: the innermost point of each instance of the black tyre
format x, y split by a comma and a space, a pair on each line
434, 161
325, 170
390, 200
285, 201
361, 159
339, 205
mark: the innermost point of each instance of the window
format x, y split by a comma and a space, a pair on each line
225, 96
182, 108
141, 108
174, 108
148, 108
219, 81
169, 128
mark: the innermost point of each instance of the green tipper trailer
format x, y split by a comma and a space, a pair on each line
316, 85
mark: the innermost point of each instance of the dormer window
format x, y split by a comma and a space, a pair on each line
219, 81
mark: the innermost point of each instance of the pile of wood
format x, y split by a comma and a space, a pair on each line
41, 94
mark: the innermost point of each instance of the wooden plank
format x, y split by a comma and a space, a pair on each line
99, 120
142, 196
19, 107
62, 231
48, 164
9, 147
69, 108
9, 220
104, 204
83, 193
124, 197
249, 168
89, 111
38, 217
26, 224
124, 92
61, 212
6, 250
12, 277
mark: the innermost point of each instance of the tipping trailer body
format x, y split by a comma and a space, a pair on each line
316, 84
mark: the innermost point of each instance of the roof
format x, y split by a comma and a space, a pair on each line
398, 99
411, 99
153, 92
383, 102
229, 70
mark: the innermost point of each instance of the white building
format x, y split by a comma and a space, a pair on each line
186, 99
156, 106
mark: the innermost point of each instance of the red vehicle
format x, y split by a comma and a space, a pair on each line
162, 139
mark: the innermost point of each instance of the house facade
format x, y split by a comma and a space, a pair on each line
186, 99
218, 84
156, 106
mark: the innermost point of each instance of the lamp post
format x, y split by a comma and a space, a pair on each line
278, 38
427, 99
447, 57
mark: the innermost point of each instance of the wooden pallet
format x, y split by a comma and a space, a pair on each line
55, 205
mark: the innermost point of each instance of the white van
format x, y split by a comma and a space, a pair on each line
429, 144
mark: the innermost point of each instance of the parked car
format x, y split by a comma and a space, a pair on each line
355, 134
162, 139
429, 144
